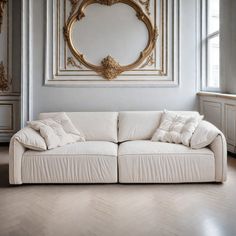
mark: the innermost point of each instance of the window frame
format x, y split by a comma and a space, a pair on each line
205, 38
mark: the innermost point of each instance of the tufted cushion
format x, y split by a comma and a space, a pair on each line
57, 131
141, 125
176, 128
94, 126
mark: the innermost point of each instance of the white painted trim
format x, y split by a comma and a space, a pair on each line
101, 84
176, 45
48, 52
198, 44
26, 83
204, 41
218, 95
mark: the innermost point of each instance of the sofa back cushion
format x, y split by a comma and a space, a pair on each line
94, 126
141, 125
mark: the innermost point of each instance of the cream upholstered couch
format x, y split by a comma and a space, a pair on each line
118, 149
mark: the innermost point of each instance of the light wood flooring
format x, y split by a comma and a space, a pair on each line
117, 210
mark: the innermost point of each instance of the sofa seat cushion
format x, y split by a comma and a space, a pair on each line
83, 162
156, 162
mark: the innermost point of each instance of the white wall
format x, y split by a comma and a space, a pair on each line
225, 41
183, 97
228, 45
231, 85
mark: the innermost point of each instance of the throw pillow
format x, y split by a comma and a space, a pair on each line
204, 135
57, 131
31, 139
68, 126
52, 132
176, 128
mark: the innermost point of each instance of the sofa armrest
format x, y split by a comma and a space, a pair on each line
16, 151
219, 148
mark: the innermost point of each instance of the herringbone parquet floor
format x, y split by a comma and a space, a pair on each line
114, 210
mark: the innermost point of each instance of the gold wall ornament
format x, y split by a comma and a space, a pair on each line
146, 3
109, 67
4, 83
72, 62
2, 6
74, 4
107, 2
149, 61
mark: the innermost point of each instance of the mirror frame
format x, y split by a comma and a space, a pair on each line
110, 68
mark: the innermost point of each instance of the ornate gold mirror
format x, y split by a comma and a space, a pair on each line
109, 68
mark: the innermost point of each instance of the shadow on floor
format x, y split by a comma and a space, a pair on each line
4, 173
232, 162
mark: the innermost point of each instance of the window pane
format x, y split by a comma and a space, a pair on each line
213, 15
213, 62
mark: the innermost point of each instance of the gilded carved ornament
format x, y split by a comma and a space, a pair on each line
4, 83
74, 4
72, 62
146, 3
149, 61
2, 6
109, 67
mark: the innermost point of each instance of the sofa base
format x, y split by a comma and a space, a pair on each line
156, 162
75, 163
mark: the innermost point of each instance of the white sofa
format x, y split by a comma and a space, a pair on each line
118, 149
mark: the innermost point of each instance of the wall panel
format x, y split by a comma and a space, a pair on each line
41, 97
160, 68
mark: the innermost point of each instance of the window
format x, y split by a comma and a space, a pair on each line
210, 45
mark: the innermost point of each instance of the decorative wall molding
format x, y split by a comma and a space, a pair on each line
71, 62
5, 46
146, 3
161, 69
2, 6
4, 83
26, 60
9, 116
109, 68
9, 100
149, 61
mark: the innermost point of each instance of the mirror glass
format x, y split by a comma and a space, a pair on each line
110, 30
